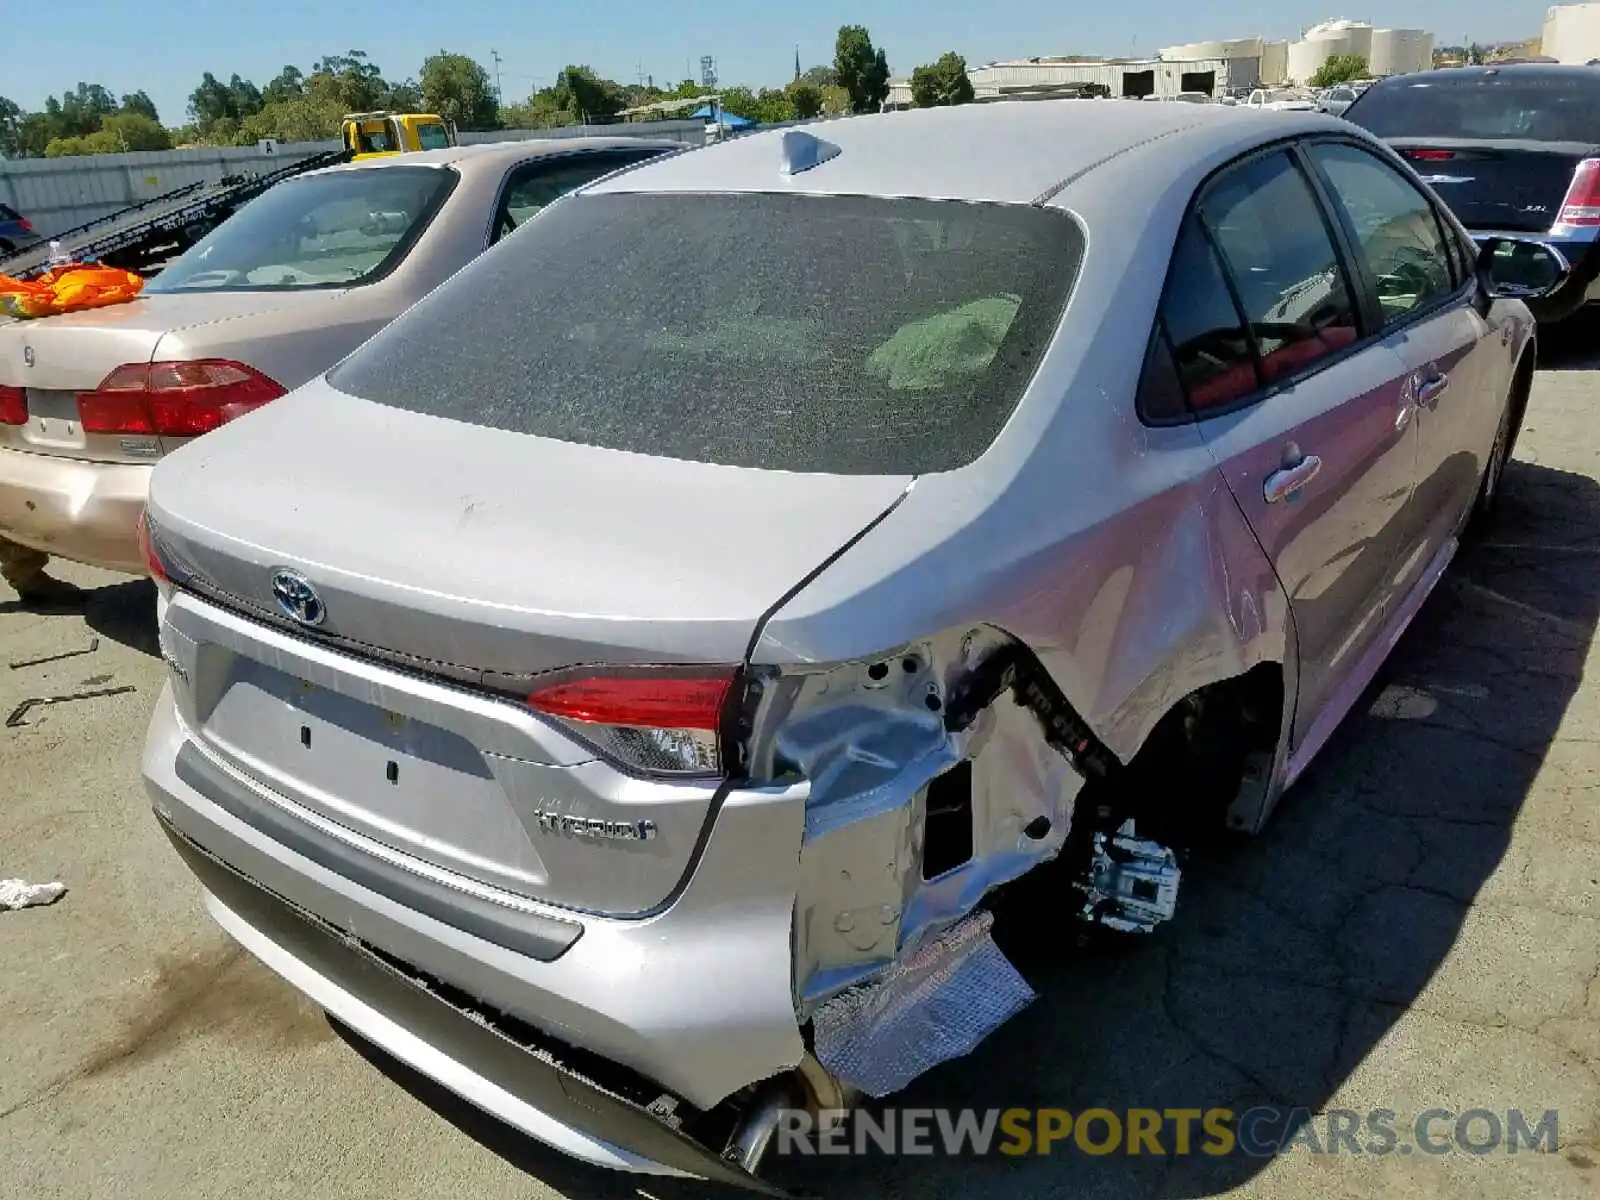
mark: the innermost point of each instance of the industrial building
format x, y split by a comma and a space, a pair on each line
1220, 67
1135, 78
1572, 33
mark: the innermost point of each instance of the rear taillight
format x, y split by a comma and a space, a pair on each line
174, 399
152, 560
1416, 155
27, 225
1582, 205
13, 405
665, 721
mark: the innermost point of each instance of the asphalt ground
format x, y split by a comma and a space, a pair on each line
1417, 930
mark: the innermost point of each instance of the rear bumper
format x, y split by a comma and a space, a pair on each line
481, 1064
695, 1001
84, 511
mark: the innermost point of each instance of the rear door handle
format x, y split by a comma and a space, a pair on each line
1287, 482
1429, 389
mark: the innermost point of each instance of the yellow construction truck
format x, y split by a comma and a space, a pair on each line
378, 134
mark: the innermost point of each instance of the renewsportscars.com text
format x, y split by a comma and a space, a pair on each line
1262, 1132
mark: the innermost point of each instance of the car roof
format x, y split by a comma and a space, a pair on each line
494, 155
1467, 75
1015, 151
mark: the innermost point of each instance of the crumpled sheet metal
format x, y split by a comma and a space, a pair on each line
934, 1005
16, 893
864, 760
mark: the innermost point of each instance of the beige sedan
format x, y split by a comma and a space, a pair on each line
274, 296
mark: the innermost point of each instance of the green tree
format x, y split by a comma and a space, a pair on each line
351, 80
118, 134
11, 118
944, 83
459, 90
806, 98
585, 97
821, 77
34, 135
835, 101
218, 109
140, 102
1340, 68
405, 96
302, 119
288, 84
863, 71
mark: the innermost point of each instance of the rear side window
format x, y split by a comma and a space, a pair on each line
1529, 106
1397, 231
1281, 258
842, 334
8, 214
536, 184
1210, 346
433, 136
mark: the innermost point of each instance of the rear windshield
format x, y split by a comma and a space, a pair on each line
340, 229
8, 214
1524, 107
849, 335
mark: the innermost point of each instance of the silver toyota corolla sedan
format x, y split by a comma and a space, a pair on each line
626, 688
274, 296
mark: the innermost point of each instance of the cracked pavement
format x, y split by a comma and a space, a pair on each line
1419, 927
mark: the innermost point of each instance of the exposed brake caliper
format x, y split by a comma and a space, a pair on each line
1129, 884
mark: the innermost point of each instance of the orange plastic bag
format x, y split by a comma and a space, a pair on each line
68, 288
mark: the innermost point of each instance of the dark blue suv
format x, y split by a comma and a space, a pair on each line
15, 231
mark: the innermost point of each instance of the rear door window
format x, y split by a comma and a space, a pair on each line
1281, 258
536, 184
838, 334
1397, 231
1210, 344
8, 214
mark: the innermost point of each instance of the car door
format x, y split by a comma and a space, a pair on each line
1305, 413
531, 185
1429, 311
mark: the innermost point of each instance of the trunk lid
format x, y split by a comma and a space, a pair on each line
74, 352
485, 557
1510, 185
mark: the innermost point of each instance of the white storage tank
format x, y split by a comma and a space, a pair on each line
1572, 33
1274, 62
1322, 42
1400, 52
1228, 50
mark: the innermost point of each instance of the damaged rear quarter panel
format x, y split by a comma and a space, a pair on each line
1114, 552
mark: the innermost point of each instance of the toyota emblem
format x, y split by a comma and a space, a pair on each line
297, 598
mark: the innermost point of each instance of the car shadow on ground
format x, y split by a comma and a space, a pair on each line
1292, 954
125, 613
1572, 345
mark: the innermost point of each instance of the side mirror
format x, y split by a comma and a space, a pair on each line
1515, 269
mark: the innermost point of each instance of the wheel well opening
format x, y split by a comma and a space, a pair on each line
1210, 746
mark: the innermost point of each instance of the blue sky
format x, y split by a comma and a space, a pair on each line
163, 46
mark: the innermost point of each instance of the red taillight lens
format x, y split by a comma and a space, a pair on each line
662, 722
152, 560
27, 225
1429, 155
13, 405
1582, 204
175, 399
